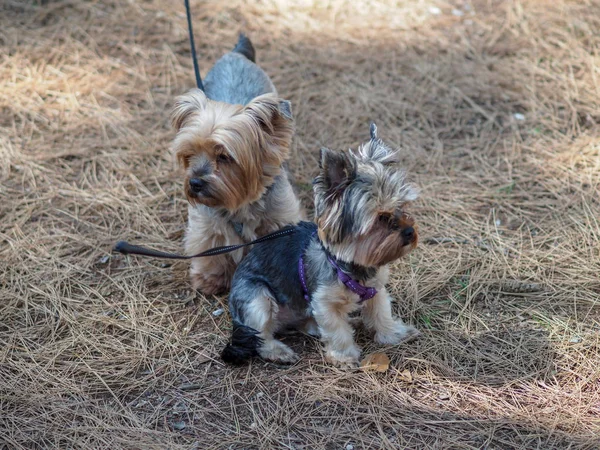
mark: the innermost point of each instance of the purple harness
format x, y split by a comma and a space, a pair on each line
364, 292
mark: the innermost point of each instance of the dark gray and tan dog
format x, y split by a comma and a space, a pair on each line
232, 141
314, 278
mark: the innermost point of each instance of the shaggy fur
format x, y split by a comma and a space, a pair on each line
361, 220
232, 141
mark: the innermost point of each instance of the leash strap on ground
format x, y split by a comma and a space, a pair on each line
129, 249
193, 46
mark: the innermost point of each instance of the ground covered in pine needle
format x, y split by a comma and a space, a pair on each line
496, 106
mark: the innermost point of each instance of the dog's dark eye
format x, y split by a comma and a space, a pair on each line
388, 220
385, 218
224, 158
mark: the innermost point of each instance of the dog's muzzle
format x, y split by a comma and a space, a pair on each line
408, 235
198, 186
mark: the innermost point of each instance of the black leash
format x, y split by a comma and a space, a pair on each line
129, 249
193, 46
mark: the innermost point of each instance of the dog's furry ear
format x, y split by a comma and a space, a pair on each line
274, 116
186, 105
285, 109
377, 150
270, 112
338, 170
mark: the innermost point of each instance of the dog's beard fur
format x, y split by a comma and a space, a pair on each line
360, 201
379, 247
236, 151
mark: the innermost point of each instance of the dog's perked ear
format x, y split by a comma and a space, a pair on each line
186, 105
338, 169
285, 109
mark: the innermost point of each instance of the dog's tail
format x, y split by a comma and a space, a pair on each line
244, 47
244, 344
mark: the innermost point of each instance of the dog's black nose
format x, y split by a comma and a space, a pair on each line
196, 184
408, 234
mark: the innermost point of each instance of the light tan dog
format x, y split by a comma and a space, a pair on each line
232, 142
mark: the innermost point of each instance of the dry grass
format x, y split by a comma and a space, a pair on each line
102, 351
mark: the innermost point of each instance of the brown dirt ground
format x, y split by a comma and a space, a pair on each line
104, 351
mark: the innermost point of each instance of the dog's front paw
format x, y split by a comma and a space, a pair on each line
400, 332
348, 359
277, 351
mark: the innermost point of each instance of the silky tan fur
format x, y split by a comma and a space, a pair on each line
234, 138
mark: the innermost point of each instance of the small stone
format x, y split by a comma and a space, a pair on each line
104, 259
435, 10
349, 447
179, 425
253, 425
180, 407
259, 394
457, 13
218, 312
444, 396
498, 222
519, 116
575, 340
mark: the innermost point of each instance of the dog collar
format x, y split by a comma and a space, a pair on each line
364, 292
238, 227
